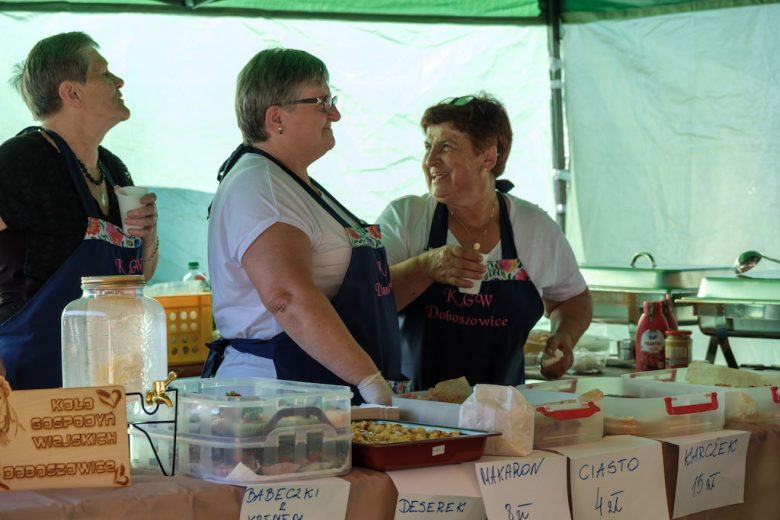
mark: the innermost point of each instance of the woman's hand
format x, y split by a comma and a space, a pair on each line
375, 390
146, 217
452, 264
563, 342
568, 321
446, 265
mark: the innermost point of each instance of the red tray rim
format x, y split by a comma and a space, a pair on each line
469, 434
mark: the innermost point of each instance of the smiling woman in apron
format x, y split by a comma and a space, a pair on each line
435, 244
59, 216
301, 288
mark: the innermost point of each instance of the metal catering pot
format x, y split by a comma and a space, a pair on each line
737, 306
620, 290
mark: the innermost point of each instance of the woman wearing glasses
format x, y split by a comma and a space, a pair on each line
435, 244
294, 273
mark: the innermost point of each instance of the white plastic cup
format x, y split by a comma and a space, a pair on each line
477, 283
129, 199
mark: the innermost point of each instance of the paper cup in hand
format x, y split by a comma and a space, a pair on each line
129, 199
477, 283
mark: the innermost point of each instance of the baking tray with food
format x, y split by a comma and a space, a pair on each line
387, 445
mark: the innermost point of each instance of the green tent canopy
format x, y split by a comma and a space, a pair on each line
378, 9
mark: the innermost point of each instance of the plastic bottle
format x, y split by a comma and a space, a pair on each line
194, 273
650, 333
669, 312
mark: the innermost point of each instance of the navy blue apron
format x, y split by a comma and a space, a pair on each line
446, 334
365, 303
30, 339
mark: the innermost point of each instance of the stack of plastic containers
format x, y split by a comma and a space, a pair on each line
249, 430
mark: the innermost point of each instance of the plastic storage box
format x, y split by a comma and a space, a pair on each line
565, 423
426, 412
555, 425
189, 325
647, 409
271, 430
755, 405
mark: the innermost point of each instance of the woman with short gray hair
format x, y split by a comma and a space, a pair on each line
59, 216
300, 285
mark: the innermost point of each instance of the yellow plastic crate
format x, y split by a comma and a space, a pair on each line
189, 325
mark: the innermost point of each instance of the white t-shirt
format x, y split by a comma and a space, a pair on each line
541, 246
254, 195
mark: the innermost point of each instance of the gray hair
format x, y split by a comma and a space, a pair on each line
58, 58
273, 77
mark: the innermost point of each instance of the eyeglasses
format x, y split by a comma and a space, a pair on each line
327, 102
463, 101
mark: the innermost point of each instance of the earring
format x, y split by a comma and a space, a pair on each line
280, 130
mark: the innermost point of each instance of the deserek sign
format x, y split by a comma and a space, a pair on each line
60, 438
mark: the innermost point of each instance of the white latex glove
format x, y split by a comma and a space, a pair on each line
375, 390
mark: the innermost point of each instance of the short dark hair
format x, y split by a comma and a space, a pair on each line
273, 77
58, 58
483, 120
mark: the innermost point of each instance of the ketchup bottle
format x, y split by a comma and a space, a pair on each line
669, 312
650, 331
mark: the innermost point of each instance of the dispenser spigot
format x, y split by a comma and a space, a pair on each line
157, 394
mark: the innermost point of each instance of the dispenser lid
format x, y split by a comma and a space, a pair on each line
112, 281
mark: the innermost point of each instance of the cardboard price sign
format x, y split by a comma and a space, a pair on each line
620, 476
61, 438
710, 470
524, 488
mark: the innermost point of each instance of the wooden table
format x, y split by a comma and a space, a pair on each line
372, 493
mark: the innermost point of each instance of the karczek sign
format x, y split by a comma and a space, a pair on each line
62, 438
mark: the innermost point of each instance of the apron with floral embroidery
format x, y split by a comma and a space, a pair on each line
446, 334
364, 302
30, 339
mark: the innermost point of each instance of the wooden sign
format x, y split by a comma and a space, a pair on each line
63, 438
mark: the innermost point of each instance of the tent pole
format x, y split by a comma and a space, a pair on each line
560, 174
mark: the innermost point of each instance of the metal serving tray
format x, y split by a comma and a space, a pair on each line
620, 290
666, 278
737, 306
416, 454
754, 287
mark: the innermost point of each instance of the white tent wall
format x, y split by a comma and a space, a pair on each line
180, 74
675, 143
